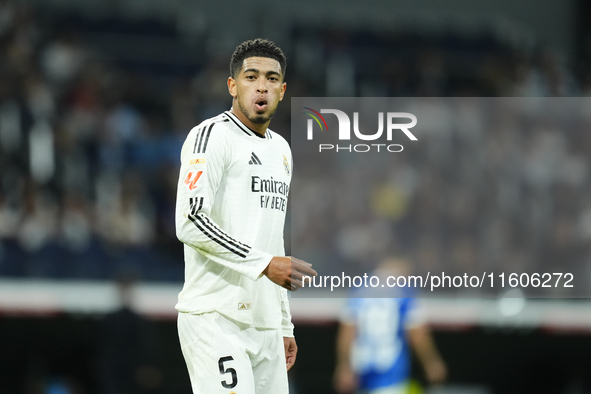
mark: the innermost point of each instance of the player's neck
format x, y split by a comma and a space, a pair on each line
258, 128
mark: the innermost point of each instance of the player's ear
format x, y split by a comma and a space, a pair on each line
283, 86
232, 87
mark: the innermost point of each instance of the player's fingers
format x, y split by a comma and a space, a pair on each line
298, 262
310, 272
296, 283
300, 273
290, 355
289, 362
303, 268
298, 279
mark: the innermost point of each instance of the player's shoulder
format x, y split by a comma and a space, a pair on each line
218, 122
277, 138
210, 132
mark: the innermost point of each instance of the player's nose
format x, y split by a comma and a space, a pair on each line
262, 87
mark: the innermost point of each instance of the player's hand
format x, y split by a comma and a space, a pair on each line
288, 271
291, 350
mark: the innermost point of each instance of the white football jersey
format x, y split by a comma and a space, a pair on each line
230, 213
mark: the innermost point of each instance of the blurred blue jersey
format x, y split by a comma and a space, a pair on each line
380, 353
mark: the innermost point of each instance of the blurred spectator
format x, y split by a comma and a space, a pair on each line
63, 59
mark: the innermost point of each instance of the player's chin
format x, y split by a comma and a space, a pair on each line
260, 119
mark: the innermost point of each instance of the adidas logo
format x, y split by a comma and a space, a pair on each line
244, 306
254, 159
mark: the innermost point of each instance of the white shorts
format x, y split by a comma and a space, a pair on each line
224, 356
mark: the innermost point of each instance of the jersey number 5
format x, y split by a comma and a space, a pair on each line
231, 371
192, 178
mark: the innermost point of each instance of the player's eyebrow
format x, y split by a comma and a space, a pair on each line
256, 71
273, 73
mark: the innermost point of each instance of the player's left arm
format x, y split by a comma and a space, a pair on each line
286, 324
289, 342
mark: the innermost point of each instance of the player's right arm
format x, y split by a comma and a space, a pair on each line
204, 158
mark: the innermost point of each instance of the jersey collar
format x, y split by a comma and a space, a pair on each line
245, 128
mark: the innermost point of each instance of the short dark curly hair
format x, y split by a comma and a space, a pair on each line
257, 47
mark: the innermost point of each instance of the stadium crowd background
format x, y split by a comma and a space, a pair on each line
94, 107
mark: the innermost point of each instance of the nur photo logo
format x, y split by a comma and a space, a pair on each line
392, 125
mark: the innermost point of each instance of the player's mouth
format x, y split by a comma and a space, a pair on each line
260, 104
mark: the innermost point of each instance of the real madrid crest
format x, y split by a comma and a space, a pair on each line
286, 165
